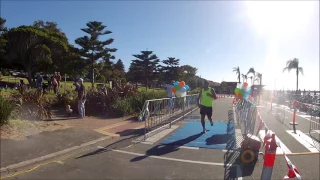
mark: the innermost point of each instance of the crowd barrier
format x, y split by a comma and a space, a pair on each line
159, 113
312, 112
251, 122
224, 96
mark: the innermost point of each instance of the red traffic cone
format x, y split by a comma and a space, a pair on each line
292, 173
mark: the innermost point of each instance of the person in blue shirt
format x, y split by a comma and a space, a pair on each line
39, 81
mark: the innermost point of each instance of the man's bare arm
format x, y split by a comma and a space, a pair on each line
213, 94
198, 101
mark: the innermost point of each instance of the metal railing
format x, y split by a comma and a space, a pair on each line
246, 115
314, 123
158, 113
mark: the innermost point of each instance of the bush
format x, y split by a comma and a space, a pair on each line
7, 110
121, 107
134, 104
195, 91
33, 104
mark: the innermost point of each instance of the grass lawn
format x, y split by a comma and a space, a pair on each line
68, 85
12, 79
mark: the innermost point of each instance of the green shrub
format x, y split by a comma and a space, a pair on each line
121, 107
7, 110
195, 91
5, 72
33, 104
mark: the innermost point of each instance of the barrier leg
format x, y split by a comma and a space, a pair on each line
294, 120
294, 116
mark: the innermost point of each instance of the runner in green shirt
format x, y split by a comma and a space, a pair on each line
205, 102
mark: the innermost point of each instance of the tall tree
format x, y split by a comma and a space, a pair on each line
189, 75
244, 77
50, 26
119, 65
30, 47
3, 41
171, 69
237, 70
252, 71
91, 47
148, 63
293, 64
60, 58
259, 77
134, 73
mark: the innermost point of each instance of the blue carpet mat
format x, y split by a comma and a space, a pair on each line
219, 136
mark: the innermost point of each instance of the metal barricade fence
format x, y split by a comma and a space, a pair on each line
246, 115
160, 112
314, 129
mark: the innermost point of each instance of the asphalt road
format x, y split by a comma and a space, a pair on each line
152, 161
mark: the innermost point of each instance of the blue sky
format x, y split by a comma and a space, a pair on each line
213, 36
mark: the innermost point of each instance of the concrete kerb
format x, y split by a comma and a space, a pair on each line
49, 156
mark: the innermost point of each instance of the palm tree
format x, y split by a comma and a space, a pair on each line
244, 77
237, 70
259, 77
251, 70
294, 64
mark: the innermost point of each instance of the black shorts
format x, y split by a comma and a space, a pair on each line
206, 111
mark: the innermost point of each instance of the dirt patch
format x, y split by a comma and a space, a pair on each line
20, 129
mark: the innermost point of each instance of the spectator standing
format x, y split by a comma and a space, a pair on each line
54, 84
49, 83
81, 99
39, 82
59, 79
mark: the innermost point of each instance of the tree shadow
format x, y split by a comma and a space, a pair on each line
160, 150
125, 142
131, 132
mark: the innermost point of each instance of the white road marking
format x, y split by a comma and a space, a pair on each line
305, 140
262, 134
174, 159
239, 171
145, 142
188, 147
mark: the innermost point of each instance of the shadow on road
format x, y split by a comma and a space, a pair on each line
160, 150
232, 161
130, 132
122, 143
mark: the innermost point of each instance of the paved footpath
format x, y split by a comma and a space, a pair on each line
120, 158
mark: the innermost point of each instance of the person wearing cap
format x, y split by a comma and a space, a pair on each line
81, 98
